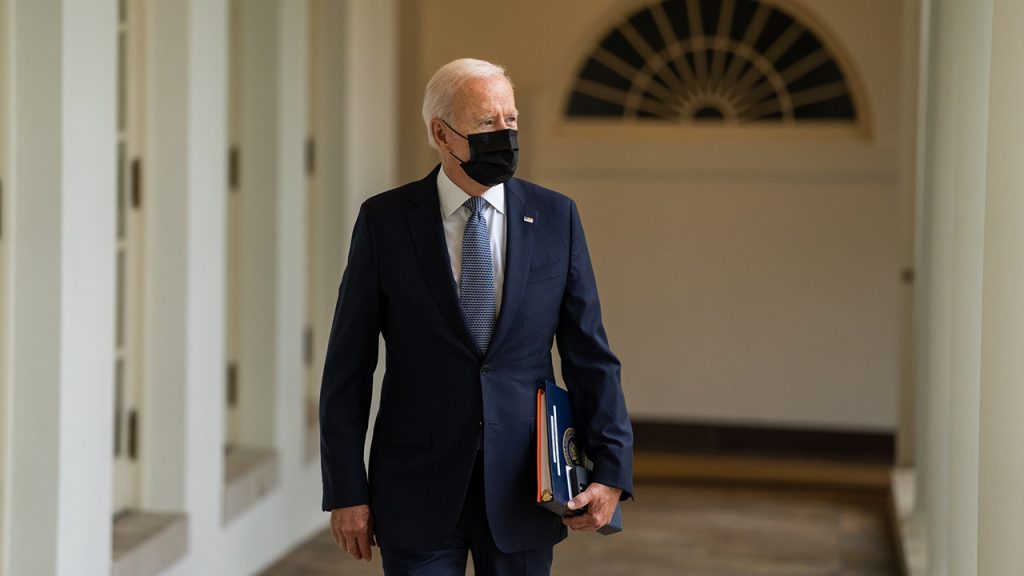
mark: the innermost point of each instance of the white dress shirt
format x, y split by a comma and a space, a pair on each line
454, 216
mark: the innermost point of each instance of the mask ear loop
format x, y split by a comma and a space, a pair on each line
463, 137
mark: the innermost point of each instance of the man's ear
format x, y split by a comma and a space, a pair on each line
437, 128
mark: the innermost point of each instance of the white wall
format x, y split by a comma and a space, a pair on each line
747, 275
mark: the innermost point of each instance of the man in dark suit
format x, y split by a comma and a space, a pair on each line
469, 275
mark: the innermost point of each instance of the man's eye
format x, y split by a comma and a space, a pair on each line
510, 120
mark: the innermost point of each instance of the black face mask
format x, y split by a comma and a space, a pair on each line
492, 155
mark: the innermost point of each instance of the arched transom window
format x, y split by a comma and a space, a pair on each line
712, 60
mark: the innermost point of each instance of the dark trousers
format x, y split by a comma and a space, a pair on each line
472, 535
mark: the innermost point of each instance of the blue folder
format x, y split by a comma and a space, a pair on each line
562, 467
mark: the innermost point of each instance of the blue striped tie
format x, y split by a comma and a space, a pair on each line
477, 284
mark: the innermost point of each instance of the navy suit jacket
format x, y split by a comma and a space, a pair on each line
439, 392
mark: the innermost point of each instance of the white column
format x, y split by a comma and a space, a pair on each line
206, 200
922, 256
953, 228
969, 81
62, 158
1001, 506
88, 180
293, 79
935, 295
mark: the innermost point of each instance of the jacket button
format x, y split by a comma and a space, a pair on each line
485, 369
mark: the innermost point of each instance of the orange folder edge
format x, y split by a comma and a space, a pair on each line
540, 404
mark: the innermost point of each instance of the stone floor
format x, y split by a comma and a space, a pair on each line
706, 530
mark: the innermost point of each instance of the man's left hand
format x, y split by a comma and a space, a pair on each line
600, 501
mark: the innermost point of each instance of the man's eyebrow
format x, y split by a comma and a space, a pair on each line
485, 117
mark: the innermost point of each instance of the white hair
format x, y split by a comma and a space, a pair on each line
438, 99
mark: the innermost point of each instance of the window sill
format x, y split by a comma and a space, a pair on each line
249, 474
146, 543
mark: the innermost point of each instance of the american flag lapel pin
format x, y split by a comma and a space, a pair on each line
528, 219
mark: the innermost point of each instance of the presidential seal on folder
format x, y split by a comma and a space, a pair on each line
562, 466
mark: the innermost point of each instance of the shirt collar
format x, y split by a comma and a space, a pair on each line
452, 197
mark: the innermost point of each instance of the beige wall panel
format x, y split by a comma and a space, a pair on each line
5, 291
257, 254
748, 275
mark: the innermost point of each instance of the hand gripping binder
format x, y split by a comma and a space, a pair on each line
562, 467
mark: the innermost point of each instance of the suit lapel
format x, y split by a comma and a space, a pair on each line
518, 253
424, 217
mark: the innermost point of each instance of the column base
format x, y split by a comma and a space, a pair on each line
909, 529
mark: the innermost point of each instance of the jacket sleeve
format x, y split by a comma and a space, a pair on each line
347, 383
591, 371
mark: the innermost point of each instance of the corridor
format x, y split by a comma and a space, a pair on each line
699, 529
